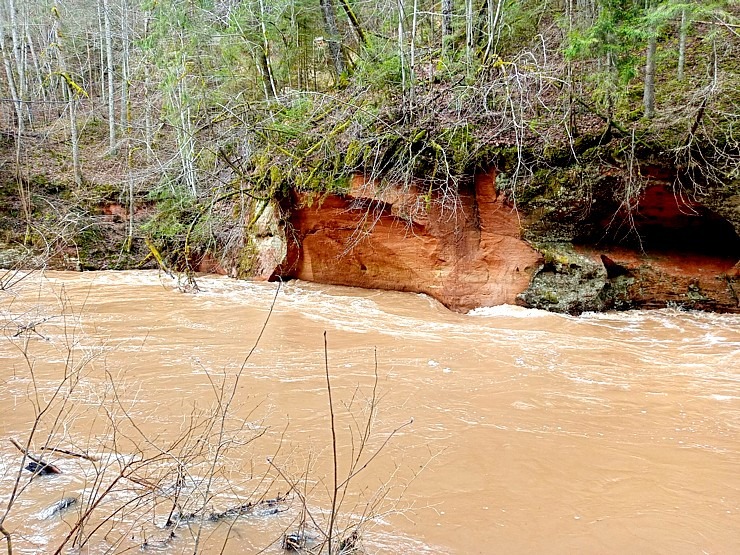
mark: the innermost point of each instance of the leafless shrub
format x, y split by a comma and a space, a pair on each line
133, 487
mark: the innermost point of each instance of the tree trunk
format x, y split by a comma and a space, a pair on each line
39, 86
70, 95
23, 193
446, 20
74, 137
354, 21
332, 31
715, 65
125, 54
412, 55
109, 70
101, 35
18, 55
131, 202
401, 15
148, 131
469, 31
186, 136
649, 93
264, 55
12, 81
682, 45
494, 19
268, 82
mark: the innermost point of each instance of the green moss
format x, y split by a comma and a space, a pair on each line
276, 176
547, 186
103, 191
247, 260
694, 293
90, 243
506, 158
340, 184
179, 225
353, 154
458, 144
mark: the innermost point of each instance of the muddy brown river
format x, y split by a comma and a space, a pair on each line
500, 431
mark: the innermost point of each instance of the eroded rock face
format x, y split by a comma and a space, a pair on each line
585, 278
677, 253
663, 249
465, 256
269, 242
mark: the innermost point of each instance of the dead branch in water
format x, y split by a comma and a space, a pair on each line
135, 474
55, 450
31, 327
72, 454
8, 539
335, 493
44, 467
340, 529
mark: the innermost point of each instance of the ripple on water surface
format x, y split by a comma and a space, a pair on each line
533, 432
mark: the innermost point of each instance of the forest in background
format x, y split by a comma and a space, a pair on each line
189, 116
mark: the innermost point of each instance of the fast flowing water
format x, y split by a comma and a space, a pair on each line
500, 431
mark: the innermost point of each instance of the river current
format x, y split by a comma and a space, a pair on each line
504, 430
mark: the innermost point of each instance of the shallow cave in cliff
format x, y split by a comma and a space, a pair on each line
663, 223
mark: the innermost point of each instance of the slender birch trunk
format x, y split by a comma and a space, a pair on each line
649, 91
70, 95
109, 69
494, 19
18, 55
447, 8
412, 55
39, 80
74, 137
23, 193
271, 90
101, 34
125, 56
148, 131
12, 80
682, 44
469, 32
332, 31
401, 45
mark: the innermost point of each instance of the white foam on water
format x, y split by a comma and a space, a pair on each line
719, 397
511, 311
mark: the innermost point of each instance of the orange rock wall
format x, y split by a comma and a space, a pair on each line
467, 256
472, 254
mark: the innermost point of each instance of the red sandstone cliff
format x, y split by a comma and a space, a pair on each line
465, 256
473, 254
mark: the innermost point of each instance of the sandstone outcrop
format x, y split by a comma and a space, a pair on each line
554, 254
465, 255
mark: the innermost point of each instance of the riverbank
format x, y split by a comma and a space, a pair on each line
562, 250
538, 176
488, 250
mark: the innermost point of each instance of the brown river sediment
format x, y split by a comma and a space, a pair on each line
532, 432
